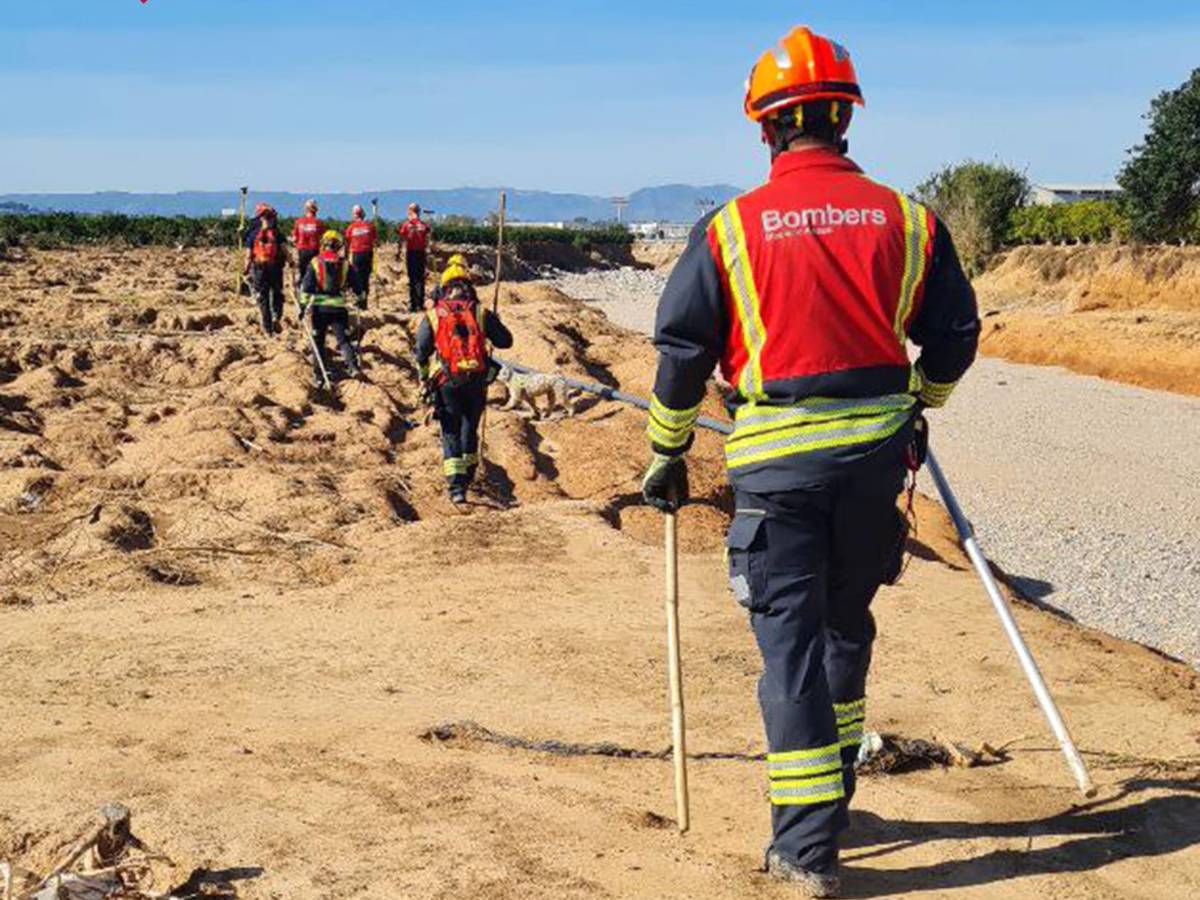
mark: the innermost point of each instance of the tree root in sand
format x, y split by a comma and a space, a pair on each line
897, 756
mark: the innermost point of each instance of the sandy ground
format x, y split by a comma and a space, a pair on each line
238, 606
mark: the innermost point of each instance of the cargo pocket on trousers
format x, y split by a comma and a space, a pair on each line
744, 549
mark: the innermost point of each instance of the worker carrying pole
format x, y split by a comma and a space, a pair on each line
805, 292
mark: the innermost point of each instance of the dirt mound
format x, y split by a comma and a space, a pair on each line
1129, 314
1114, 277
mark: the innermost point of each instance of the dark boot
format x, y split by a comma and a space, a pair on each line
812, 884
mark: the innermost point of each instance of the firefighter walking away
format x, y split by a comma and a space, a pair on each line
306, 236
324, 289
265, 258
455, 369
361, 237
805, 293
414, 243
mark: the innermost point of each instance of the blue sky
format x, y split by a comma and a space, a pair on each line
573, 95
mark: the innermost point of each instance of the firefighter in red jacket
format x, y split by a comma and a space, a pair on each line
306, 236
414, 239
454, 365
805, 292
361, 237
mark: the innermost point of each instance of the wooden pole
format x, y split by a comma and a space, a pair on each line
675, 669
375, 253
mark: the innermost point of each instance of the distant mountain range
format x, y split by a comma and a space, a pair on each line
668, 203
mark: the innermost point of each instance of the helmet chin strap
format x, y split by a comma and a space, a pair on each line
780, 143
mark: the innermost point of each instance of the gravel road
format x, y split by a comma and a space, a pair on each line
1085, 491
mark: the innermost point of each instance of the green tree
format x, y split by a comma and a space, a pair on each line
976, 200
1161, 179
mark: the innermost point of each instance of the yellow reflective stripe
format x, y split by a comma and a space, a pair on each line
471, 459
752, 420
827, 760
800, 755
916, 247
808, 791
808, 438
668, 427
932, 393
455, 466
845, 712
731, 235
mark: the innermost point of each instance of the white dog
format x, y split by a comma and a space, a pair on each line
525, 389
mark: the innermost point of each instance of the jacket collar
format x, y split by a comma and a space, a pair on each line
805, 160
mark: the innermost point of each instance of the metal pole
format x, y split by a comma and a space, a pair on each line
967, 534
312, 341
675, 670
495, 309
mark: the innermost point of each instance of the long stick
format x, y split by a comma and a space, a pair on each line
375, 250
495, 308
674, 666
500, 251
966, 533
312, 341
237, 284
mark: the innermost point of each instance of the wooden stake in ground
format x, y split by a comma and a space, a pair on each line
375, 220
675, 668
495, 309
237, 253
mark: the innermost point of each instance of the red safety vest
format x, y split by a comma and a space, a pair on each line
360, 237
823, 270
414, 234
307, 233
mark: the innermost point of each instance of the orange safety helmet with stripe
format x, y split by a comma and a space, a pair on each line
805, 86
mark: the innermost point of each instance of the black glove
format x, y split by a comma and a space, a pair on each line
428, 393
665, 485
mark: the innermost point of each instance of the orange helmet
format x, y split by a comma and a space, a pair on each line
802, 67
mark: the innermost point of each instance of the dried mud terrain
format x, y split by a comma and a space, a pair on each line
239, 607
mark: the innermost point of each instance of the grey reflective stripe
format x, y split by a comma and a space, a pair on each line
736, 262
822, 789
814, 766
819, 437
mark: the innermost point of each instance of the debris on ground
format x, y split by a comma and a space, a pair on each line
106, 861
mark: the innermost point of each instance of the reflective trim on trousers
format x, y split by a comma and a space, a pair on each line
808, 791
805, 763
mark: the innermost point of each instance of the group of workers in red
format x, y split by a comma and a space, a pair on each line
453, 338
266, 254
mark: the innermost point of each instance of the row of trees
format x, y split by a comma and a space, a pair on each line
46, 230
984, 204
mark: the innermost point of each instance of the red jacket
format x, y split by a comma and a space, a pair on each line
360, 237
805, 292
306, 234
414, 234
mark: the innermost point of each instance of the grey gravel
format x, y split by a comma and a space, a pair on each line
1086, 492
